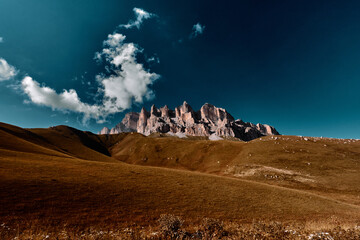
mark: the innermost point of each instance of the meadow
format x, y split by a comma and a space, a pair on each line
62, 183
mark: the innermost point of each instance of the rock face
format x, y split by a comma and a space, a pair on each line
105, 130
128, 124
208, 121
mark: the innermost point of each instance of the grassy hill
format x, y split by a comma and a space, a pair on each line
63, 175
328, 167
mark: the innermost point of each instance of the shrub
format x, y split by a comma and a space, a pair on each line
272, 230
170, 225
213, 228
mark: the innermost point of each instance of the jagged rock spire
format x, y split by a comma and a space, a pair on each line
185, 108
141, 124
153, 111
165, 111
209, 120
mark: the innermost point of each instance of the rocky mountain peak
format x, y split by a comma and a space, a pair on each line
143, 112
208, 121
214, 114
105, 130
165, 111
186, 107
141, 124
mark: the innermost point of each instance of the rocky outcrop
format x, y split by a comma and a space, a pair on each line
208, 121
105, 130
128, 124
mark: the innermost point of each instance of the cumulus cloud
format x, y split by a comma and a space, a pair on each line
141, 15
129, 82
125, 81
153, 59
67, 100
197, 30
6, 70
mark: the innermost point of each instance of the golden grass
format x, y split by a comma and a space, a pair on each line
174, 227
323, 166
52, 177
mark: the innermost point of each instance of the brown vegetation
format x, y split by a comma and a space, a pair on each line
64, 179
171, 227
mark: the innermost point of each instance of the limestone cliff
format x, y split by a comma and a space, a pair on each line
208, 121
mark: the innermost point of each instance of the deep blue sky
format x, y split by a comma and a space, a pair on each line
291, 64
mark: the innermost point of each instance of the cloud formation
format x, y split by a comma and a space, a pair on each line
6, 70
128, 83
197, 30
141, 15
67, 100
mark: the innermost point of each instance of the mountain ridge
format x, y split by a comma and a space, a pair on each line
209, 121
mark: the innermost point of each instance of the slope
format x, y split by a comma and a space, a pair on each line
79, 144
323, 166
63, 175
14, 140
48, 190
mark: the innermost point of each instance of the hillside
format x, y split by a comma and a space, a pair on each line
61, 174
324, 166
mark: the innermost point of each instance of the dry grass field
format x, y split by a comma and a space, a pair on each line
63, 178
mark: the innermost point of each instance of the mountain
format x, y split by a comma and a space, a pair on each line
209, 121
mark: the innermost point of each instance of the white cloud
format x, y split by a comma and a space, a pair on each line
124, 82
129, 83
197, 30
140, 16
6, 71
1, 39
67, 100
153, 59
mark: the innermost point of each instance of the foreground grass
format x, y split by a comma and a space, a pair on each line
61, 183
173, 227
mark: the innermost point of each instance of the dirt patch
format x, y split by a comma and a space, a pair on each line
267, 173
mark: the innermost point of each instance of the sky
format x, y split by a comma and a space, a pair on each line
291, 64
